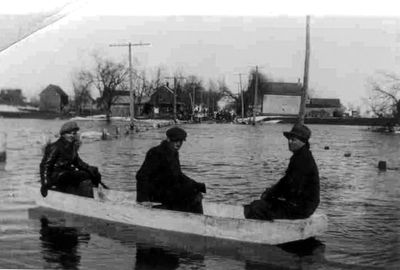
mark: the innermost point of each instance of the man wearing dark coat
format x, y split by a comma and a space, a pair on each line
296, 195
62, 169
160, 178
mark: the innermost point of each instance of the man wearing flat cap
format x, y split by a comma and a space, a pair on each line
62, 169
296, 195
160, 178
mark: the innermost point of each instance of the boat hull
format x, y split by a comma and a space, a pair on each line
219, 220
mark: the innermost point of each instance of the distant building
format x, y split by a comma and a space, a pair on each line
53, 99
84, 106
11, 97
161, 104
121, 103
324, 107
280, 98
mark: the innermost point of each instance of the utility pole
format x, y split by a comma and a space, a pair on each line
194, 96
302, 111
131, 91
241, 93
208, 102
174, 93
255, 96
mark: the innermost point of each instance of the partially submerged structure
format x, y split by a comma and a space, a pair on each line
280, 98
53, 99
324, 107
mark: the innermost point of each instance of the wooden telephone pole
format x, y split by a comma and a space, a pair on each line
255, 96
241, 93
194, 96
306, 69
174, 93
131, 91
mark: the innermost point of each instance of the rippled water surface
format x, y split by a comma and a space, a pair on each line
236, 162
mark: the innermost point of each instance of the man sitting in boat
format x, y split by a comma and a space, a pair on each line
160, 178
296, 195
62, 168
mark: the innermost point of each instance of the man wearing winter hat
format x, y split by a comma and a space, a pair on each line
62, 169
296, 195
160, 178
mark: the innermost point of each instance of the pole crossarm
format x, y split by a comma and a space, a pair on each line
130, 44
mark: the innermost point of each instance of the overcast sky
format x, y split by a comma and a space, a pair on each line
347, 47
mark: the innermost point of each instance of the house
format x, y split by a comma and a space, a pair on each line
11, 97
161, 104
53, 99
324, 107
121, 103
84, 105
280, 98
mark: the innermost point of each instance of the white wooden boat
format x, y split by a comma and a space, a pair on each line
219, 220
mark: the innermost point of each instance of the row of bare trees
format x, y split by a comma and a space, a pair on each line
107, 77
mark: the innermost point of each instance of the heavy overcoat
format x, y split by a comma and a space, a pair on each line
60, 157
294, 196
160, 178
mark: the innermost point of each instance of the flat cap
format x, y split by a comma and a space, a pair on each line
176, 134
299, 131
69, 127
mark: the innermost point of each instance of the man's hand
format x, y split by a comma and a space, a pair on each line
93, 171
43, 190
95, 175
201, 187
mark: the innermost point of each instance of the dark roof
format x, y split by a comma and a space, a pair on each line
162, 87
55, 88
121, 93
122, 100
282, 88
324, 103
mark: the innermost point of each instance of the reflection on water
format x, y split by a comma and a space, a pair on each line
308, 247
155, 258
60, 244
157, 249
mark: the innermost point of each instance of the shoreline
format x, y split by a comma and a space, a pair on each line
360, 121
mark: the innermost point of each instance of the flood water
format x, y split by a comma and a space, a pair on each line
236, 162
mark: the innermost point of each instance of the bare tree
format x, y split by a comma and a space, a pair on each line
82, 93
108, 77
143, 86
224, 90
384, 99
158, 78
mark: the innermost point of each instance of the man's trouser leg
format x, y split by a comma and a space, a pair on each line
258, 209
76, 182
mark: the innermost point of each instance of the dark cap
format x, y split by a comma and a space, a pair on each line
176, 134
300, 132
68, 127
